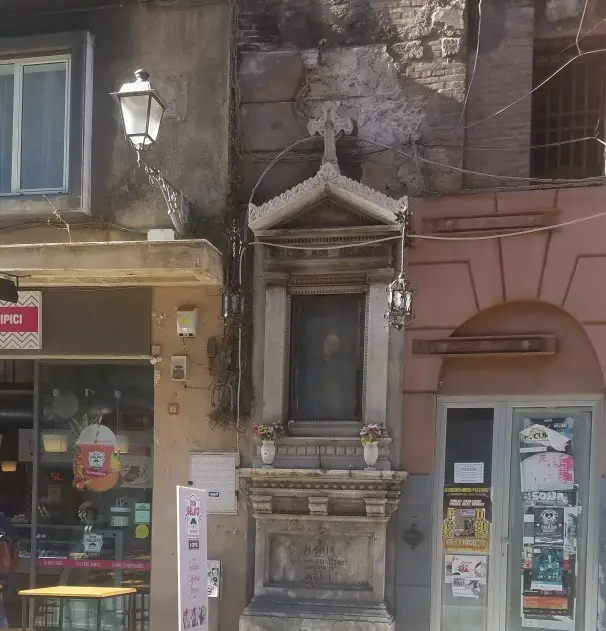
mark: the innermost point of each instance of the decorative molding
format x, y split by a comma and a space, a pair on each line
332, 493
490, 222
318, 505
489, 345
327, 181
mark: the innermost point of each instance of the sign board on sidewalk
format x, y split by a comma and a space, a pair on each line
21, 323
192, 559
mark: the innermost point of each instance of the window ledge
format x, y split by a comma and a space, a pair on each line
329, 452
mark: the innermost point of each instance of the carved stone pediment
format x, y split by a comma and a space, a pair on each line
336, 201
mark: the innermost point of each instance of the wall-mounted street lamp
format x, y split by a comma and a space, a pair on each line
141, 110
400, 292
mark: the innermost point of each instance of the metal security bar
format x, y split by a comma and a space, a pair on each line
569, 107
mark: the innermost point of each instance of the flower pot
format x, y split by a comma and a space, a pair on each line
268, 452
371, 454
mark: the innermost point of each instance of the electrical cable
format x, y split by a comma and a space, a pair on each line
475, 65
515, 233
581, 26
191, 359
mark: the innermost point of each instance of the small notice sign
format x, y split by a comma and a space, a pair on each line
469, 473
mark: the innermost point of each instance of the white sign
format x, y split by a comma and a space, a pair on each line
214, 578
469, 473
191, 559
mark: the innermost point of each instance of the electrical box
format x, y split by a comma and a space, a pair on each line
187, 321
217, 475
178, 368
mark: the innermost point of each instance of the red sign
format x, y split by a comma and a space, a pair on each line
20, 324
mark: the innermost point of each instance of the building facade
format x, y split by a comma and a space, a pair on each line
488, 117
92, 344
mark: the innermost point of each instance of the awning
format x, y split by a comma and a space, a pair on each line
114, 263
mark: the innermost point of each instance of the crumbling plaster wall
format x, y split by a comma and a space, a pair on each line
396, 67
177, 41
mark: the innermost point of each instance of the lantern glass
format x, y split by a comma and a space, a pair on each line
8, 466
142, 110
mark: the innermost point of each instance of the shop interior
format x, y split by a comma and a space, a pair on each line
76, 470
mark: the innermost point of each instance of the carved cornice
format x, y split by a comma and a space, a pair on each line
319, 493
328, 180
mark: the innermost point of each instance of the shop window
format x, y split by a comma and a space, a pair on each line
94, 477
45, 104
327, 357
569, 107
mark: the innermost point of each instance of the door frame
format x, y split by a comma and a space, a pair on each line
503, 406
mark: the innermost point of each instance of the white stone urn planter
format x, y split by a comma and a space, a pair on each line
371, 454
268, 452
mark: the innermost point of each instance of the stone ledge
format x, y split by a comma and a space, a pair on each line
330, 452
331, 494
273, 614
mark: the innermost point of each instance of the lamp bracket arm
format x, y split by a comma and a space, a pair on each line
177, 204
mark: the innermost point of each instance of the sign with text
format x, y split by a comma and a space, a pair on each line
192, 559
21, 323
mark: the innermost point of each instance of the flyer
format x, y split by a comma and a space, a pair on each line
466, 524
465, 565
547, 569
550, 498
549, 526
548, 471
465, 587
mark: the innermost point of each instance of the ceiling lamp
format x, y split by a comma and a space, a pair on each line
122, 441
55, 442
400, 292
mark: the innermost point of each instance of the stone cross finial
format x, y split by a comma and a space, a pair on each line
329, 126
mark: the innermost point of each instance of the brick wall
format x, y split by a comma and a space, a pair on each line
503, 74
396, 67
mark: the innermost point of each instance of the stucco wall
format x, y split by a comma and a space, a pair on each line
175, 437
186, 48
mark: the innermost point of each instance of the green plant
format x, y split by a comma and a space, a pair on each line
371, 433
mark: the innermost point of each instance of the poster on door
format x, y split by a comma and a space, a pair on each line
466, 524
550, 504
192, 584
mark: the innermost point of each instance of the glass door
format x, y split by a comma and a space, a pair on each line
548, 518
515, 509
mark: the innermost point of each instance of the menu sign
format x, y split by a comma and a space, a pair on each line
191, 559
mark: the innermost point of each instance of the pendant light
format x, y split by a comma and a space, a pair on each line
55, 442
122, 441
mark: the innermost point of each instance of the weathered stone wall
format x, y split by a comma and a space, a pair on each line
400, 69
396, 67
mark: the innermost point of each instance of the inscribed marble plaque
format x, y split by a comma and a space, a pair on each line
323, 560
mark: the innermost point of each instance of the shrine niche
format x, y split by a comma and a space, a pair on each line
325, 254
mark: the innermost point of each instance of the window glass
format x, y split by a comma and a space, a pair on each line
95, 475
327, 349
467, 516
44, 103
7, 82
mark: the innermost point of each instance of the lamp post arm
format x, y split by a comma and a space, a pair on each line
178, 206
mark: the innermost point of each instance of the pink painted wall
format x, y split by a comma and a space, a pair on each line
548, 282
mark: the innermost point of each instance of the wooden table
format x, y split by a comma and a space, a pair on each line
67, 592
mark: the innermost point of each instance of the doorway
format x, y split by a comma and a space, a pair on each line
516, 506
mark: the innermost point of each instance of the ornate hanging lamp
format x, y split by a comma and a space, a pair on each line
400, 292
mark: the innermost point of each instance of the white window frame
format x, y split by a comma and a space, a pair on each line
18, 65
502, 435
